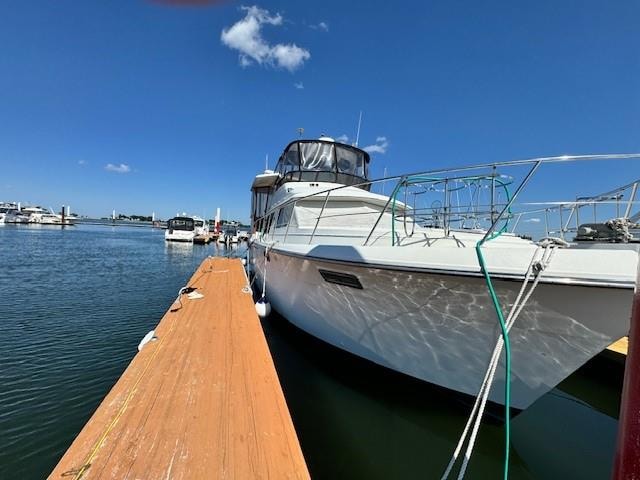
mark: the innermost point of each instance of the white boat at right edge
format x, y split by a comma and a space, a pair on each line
400, 285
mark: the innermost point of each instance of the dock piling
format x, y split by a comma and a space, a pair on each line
626, 464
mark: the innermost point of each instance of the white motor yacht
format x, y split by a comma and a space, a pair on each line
404, 287
4, 208
185, 228
14, 215
45, 217
229, 234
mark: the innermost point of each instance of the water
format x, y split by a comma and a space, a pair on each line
77, 301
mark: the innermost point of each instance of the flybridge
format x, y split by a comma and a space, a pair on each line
323, 160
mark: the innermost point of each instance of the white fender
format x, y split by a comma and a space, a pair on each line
263, 308
146, 339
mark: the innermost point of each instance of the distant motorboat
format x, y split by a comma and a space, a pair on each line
13, 215
185, 228
230, 234
45, 217
4, 208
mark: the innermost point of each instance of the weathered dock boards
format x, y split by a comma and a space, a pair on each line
201, 401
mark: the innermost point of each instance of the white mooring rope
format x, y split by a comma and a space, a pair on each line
536, 267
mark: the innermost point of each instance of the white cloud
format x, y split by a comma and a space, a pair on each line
299, 85
343, 138
82, 162
122, 168
380, 146
532, 220
320, 26
246, 36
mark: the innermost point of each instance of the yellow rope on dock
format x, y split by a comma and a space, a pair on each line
87, 463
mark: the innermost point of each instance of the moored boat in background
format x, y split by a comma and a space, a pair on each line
46, 217
5, 207
185, 228
14, 215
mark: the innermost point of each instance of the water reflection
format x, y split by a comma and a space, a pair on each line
359, 420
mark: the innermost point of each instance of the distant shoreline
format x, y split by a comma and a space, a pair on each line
120, 223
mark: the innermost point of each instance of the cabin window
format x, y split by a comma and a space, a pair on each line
290, 160
272, 223
180, 224
350, 162
260, 202
317, 156
199, 223
267, 224
284, 215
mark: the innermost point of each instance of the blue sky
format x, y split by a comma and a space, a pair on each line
143, 106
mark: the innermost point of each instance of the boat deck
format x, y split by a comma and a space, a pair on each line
202, 400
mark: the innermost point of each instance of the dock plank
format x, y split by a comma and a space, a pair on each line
203, 401
621, 346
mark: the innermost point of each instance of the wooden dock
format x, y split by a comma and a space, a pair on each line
202, 400
621, 346
618, 349
205, 239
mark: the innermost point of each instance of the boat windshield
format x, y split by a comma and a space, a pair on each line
323, 161
181, 223
199, 223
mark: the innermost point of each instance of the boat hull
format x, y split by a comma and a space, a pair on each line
442, 328
179, 236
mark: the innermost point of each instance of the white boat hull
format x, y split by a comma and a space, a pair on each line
442, 328
179, 236
16, 219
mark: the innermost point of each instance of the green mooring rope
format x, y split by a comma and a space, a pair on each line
496, 305
507, 350
494, 299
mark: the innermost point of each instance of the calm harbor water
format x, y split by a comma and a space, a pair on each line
77, 301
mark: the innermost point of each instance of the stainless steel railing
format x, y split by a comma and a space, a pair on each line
489, 215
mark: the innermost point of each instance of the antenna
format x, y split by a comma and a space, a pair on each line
384, 175
358, 133
266, 163
300, 131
